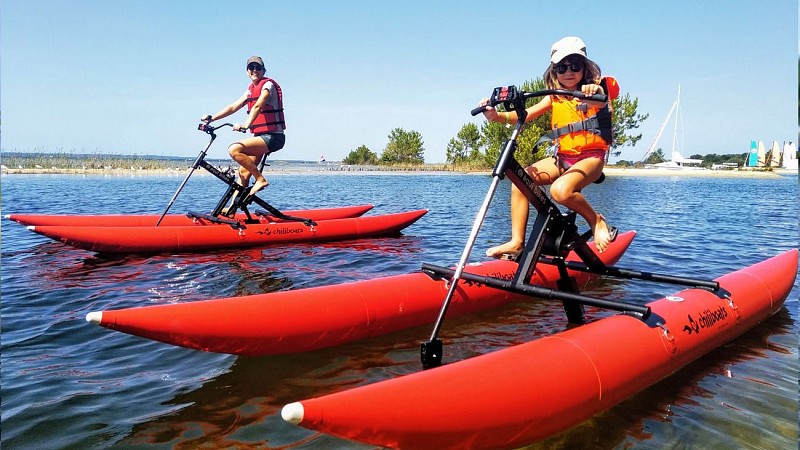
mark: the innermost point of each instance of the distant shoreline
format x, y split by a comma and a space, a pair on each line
661, 172
437, 169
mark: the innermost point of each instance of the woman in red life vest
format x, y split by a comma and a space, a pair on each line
264, 101
581, 154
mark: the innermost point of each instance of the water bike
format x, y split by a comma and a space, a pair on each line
528, 392
237, 195
230, 224
553, 236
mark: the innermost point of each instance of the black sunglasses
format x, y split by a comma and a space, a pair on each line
254, 66
561, 69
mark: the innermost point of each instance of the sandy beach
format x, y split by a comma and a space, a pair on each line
631, 172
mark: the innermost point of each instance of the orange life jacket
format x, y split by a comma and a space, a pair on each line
268, 120
578, 126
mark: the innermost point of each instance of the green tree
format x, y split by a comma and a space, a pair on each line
526, 152
655, 157
713, 158
495, 134
465, 146
624, 118
404, 147
362, 155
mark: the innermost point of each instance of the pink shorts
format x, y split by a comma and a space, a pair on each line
566, 161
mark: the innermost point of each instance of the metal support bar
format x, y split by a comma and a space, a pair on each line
641, 312
430, 351
428, 354
276, 213
533, 249
566, 283
213, 219
226, 197
619, 272
198, 161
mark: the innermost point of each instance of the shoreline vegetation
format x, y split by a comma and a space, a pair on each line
17, 163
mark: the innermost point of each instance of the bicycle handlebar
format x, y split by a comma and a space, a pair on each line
207, 128
509, 95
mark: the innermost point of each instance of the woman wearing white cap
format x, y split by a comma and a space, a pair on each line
581, 154
264, 100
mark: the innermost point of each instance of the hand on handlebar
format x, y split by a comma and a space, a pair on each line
239, 128
488, 111
512, 98
591, 90
208, 128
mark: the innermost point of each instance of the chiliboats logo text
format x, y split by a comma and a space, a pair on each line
707, 319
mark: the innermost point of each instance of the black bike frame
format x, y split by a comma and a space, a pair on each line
240, 194
553, 236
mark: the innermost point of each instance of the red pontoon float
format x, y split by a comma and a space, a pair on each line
325, 316
149, 220
207, 235
531, 391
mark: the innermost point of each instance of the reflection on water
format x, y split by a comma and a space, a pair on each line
68, 384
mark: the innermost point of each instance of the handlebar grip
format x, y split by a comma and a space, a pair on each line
478, 110
596, 97
599, 98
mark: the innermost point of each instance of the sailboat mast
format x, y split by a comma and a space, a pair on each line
677, 119
661, 130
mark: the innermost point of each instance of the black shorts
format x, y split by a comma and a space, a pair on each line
274, 141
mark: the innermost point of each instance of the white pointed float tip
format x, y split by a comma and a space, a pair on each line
95, 317
31, 227
293, 413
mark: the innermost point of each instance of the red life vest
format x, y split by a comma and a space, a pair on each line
579, 127
268, 120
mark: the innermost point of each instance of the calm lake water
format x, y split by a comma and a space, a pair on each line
68, 384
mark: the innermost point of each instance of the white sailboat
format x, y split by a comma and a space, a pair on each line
790, 156
761, 158
775, 155
677, 161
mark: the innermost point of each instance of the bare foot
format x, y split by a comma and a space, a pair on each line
509, 248
258, 185
602, 236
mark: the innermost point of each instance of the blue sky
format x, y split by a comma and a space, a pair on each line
135, 76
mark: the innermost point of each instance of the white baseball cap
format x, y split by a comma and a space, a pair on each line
569, 45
